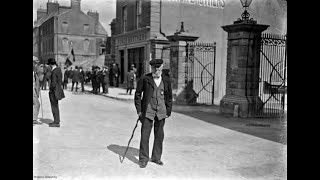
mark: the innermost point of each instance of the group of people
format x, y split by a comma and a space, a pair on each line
74, 76
99, 78
152, 100
44, 73
55, 91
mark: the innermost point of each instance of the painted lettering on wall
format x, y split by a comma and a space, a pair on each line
206, 3
130, 39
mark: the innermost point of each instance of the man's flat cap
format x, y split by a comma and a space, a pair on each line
156, 62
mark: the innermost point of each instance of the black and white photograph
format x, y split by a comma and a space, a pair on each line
160, 89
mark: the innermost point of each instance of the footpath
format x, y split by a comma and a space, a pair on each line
273, 129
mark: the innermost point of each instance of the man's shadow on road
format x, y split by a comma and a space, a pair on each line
120, 150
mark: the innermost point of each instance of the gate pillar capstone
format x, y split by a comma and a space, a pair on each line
178, 62
243, 65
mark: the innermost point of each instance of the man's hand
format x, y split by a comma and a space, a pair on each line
139, 115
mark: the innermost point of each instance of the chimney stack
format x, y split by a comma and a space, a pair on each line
76, 4
52, 6
95, 16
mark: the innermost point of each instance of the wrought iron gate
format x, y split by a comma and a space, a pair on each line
200, 72
272, 76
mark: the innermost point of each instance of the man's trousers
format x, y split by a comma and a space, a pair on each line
73, 85
82, 86
54, 107
36, 105
158, 139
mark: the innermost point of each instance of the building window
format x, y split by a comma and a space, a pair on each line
86, 28
49, 45
86, 44
52, 43
64, 27
65, 45
124, 18
50, 28
102, 49
45, 46
138, 13
41, 47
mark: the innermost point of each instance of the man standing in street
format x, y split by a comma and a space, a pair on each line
153, 109
115, 75
82, 77
105, 82
47, 77
94, 79
41, 75
99, 79
75, 78
55, 91
65, 78
36, 93
70, 75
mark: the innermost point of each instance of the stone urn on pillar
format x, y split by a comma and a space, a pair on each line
243, 65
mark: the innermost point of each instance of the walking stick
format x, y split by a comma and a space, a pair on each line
129, 142
41, 103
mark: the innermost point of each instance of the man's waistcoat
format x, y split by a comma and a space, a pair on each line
157, 106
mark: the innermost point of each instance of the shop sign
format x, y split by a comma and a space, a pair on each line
129, 39
206, 3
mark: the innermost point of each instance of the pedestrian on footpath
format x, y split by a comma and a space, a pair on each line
105, 82
153, 109
36, 93
135, 74
55, 91
130, 80
41, 75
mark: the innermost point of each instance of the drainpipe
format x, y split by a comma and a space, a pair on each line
161, 19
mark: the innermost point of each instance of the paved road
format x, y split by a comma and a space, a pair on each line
96, 129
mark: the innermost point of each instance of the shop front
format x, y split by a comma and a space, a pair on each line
132, 49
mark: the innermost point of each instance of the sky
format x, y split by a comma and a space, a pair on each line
105, 8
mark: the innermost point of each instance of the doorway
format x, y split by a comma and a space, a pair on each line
136, 57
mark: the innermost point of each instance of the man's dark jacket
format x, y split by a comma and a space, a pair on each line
56, 83
81, 76
76, 75
146, 86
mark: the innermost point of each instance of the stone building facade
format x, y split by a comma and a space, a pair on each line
60, 28
140, 29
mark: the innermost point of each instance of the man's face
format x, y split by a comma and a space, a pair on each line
156, 71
